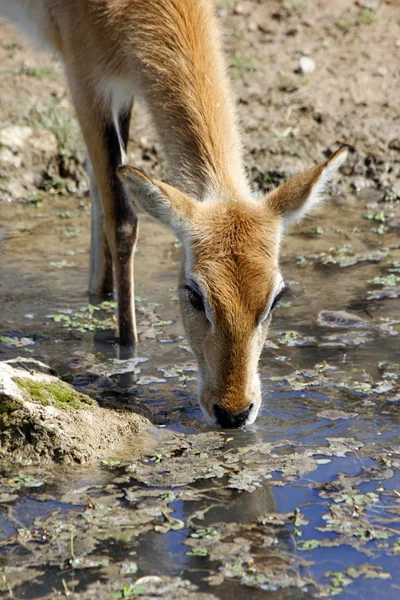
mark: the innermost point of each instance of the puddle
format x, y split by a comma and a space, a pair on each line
305, 503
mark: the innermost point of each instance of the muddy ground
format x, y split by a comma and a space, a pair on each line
305, 503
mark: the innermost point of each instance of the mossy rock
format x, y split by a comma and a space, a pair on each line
58, 394
44, 418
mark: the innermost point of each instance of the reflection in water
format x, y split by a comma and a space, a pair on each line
242, 507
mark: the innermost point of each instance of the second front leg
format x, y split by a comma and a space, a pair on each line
121, 233
104, 138
121, 227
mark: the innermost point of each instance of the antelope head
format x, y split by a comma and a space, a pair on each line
230, 280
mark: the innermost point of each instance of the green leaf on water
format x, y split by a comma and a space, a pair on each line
197, 552
308, 544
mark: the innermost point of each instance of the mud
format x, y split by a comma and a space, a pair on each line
304, 503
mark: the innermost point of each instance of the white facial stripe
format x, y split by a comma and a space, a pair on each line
278, 287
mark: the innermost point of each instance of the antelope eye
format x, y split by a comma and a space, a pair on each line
195, 298
276, 299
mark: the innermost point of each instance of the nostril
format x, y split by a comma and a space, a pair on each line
251, 407
230, 420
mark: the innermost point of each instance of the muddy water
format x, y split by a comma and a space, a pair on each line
304, 503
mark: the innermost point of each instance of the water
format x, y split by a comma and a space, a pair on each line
324, 447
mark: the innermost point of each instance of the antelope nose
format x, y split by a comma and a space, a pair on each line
230, 420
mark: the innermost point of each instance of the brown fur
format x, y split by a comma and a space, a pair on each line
231, 247
235, 253
172, 49
169, 52
295, 192
188, 92
234, 247
292, 195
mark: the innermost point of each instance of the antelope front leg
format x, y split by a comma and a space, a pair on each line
101, 269
104, 135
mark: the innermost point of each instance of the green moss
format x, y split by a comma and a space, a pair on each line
8, 406
53, 394
367, 16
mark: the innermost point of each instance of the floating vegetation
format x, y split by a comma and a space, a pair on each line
345, 257
88, 318
388, 280
295, 339
317, 230
16, 342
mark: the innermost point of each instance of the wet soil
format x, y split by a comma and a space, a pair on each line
306, 502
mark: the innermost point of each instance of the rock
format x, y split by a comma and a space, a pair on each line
25, 145
242, 8
13, 189
44, 418
264, 28
381, 72
43, 146
31, 365
117, 367
341, 319
306, 65
15, 137
386, 292
395, 144
8, 158
350, 339
334, 414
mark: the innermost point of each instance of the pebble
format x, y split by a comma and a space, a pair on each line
381, 71
395, 144
241, 9
306, 65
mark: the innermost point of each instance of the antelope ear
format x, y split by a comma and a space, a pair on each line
161, 201
300, 194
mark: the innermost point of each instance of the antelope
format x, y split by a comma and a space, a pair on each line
168, 52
